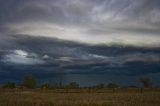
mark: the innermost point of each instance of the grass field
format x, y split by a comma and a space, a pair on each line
80, 98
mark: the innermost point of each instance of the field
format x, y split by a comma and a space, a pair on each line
80, 98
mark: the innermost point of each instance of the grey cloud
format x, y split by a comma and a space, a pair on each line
22, 57
90, 17
76, 58
103, 19
126, 33
75, 12
118, 61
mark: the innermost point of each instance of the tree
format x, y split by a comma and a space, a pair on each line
29, 82
9, 85
146, 82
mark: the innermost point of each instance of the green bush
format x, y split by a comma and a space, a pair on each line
9, 85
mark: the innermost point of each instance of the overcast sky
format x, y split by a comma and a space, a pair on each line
124, 22
115, 37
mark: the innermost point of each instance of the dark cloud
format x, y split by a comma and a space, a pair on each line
55, 70
73, 38
77, 58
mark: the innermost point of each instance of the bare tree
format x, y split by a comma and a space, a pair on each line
147, 82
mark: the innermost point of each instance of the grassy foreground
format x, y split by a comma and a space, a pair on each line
79, 98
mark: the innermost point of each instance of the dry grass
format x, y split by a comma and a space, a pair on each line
48, 98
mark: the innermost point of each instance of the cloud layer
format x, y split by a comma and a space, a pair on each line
52, 55
108, 22
80, 39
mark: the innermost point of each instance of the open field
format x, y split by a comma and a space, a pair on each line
80, 98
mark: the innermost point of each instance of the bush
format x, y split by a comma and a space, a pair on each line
9, 85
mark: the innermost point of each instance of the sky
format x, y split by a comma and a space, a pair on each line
87, 41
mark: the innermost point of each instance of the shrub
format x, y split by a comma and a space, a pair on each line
9, 85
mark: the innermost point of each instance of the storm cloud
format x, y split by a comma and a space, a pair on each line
79, 37
55, 53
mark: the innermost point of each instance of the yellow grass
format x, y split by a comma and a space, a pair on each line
79, 98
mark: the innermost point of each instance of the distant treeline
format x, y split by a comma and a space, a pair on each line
29, 82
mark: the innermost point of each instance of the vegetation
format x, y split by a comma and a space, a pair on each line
9, 85
45, 86
40, 98
99, 86
73, 85
73, 95
112, 85
146, 82
29, 82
